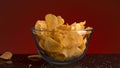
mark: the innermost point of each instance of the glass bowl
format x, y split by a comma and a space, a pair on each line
45, 54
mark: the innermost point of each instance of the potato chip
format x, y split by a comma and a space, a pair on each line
72, 39
58, 36
51, 21
6, 55
78, 26
40, 25
58, 56
83, 45
73, 52
60, 20
41, 43
51, 45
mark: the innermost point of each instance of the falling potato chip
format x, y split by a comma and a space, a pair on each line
59, 40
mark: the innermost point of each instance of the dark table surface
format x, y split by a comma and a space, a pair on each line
88, 61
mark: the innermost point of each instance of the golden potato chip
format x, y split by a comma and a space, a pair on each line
6, 55
51, 45
60, 20
58, 36
58, 55
83, 45
40, 25
41, 43
71, 39
41, 36
67, 53
51, 21
78, 26
63, 28
73, 52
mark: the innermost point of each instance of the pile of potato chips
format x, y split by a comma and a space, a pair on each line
59, 40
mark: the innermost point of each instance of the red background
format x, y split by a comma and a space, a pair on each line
18, 16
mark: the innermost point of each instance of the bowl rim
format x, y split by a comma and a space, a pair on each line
91, 29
